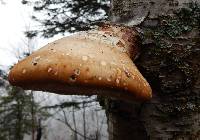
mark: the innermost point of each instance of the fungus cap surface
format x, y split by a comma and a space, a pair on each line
94, 62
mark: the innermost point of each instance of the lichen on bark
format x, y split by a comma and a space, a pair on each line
170, 56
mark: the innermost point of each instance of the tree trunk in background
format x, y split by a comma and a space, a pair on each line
169, 60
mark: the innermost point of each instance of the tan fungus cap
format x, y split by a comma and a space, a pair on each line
87, 63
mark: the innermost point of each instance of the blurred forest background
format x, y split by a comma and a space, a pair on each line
31, 115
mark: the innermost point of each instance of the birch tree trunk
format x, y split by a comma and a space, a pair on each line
169, 60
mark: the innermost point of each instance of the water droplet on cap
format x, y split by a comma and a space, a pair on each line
24, 71
103, 63
84, 58
108, 79
77, 72
49, 69
35, 60
117, 81
127, 73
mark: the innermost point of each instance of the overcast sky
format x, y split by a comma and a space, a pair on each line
14, 20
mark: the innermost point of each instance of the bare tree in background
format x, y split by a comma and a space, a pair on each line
82, 126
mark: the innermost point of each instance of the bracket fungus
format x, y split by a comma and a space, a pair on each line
95, 62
